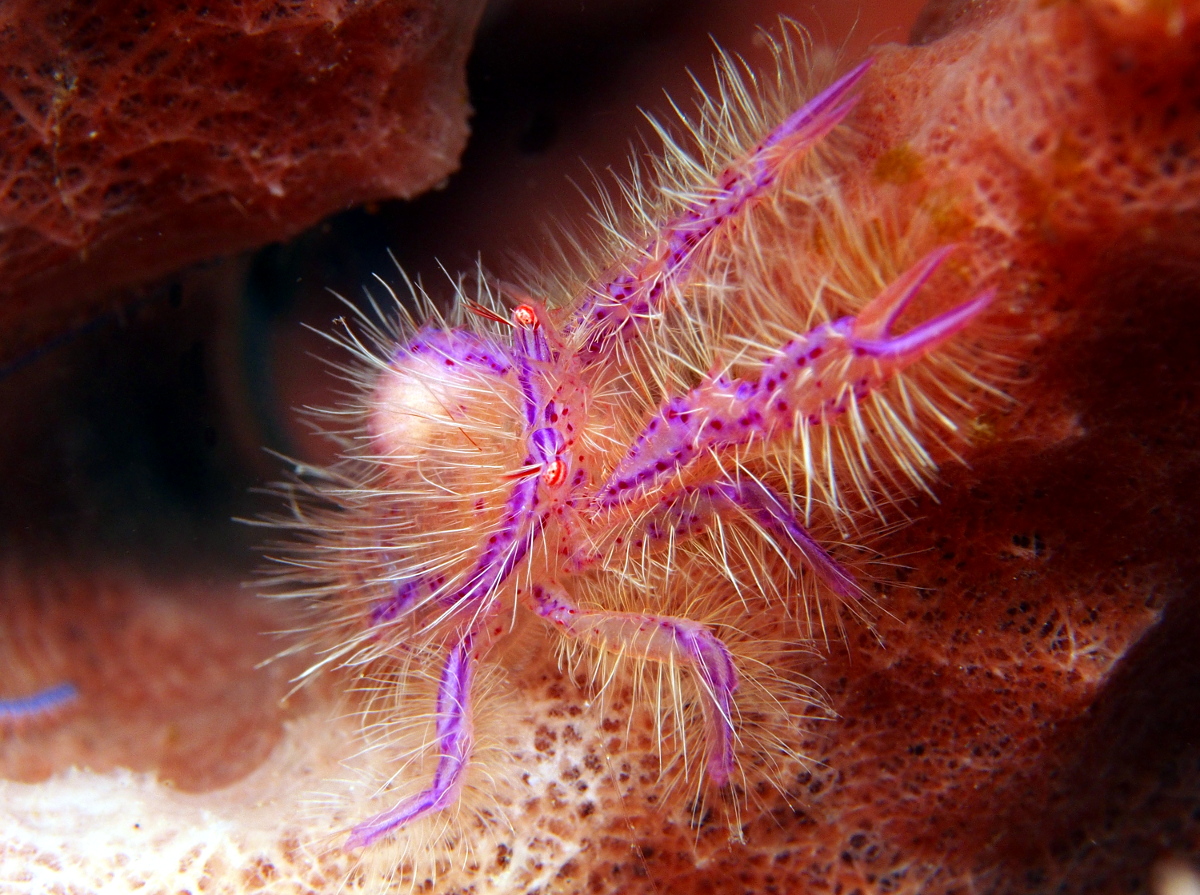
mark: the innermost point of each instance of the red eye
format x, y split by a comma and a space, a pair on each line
556, 472
525, 317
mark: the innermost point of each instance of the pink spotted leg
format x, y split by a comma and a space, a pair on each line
690, 510
660, 638
618, 305
813, 377
455, 739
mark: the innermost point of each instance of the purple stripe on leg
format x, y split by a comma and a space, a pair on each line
503, 550
774, 513
508, 546
714, 667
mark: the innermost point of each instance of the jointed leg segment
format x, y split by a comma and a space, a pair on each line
811, 379
690, 510
771, 512
454, 738
659, 638
617, 306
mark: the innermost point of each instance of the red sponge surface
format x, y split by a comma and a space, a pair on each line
138, 137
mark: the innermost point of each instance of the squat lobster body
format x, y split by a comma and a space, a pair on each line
643, 437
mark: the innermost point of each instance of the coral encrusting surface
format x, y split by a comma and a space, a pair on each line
1021, 718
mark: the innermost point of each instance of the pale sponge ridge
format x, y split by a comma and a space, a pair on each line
128, 832
280, 829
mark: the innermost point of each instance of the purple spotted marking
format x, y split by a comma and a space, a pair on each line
546, 443
456, 347
528, 393
405, 599
532, 343
506, 547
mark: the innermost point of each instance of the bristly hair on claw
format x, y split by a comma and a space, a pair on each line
665, 453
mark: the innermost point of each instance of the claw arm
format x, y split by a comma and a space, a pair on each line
617, 306
810, 380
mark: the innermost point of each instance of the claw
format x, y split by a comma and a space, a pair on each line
820, 114
875, 321
924, 338
871, 330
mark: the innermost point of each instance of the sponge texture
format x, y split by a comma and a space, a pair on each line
1024, 724
140, 138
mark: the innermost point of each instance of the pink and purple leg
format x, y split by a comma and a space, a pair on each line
659, 638
620, 303
454, 740
806, 379
503, 549
690, 510
773, 514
